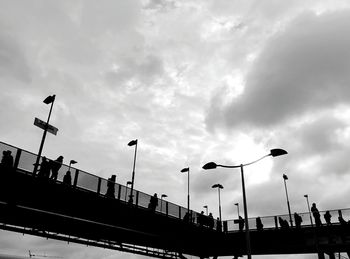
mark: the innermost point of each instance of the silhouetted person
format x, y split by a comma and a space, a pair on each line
7, 160
240, 223
153, 202
186, 218
218, 225
111, 187
283, 223
341, 220
259, 224
55, 166
210, 221
44, 170
200, 218
298, 220
67, 178
316, 215
327, 217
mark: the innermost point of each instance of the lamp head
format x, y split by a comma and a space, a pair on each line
306, 196
49, 99
128, 183
73, 162
210, 165
187, 169
217, 185
278, 152
205, 206
164, 196
285, 177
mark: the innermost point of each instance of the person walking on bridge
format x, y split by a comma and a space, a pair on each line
316, 215
55, 166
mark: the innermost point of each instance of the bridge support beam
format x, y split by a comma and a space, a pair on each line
331, 255
321, 255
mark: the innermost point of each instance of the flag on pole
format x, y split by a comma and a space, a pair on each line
185, 170
132, 142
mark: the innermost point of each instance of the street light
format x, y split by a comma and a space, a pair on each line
308, 206
70, 164
285, 178
219, 186
206, 209
184, 170
161, 199
48, 100
237, 204
126, 190
130, 144
212, 165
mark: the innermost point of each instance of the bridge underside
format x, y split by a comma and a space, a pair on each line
53, 210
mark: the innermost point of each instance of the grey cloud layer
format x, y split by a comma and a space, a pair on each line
302, 69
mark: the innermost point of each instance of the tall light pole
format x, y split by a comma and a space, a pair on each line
206, 209
212, 165
219, 186
70, 164
161, 201
184, 170
308, 206
285, 178
48, 100
130, 144
237, 204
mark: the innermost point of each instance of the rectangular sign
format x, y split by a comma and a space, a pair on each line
41, 124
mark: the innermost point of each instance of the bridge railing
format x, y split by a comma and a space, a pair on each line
273, 221
25, 160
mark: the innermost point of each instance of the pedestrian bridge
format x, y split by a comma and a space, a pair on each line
81, 213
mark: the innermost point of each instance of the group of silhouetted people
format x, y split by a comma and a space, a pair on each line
49, 168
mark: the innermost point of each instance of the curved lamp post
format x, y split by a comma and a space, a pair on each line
285, 178
308, 206
72, 162
184, 170
130, 144
126, 189
237, 204
206, 209
219, 186
161, 201
212, 165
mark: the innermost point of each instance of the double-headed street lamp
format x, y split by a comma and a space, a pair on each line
219, 186
212, 165
285, 178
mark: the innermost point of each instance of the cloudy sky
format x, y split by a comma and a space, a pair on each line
194, 81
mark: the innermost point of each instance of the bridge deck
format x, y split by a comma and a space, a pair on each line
51, 209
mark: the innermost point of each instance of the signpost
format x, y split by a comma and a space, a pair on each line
42, 124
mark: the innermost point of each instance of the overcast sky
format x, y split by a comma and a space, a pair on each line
194, 81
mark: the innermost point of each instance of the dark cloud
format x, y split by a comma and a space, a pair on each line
303, 69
